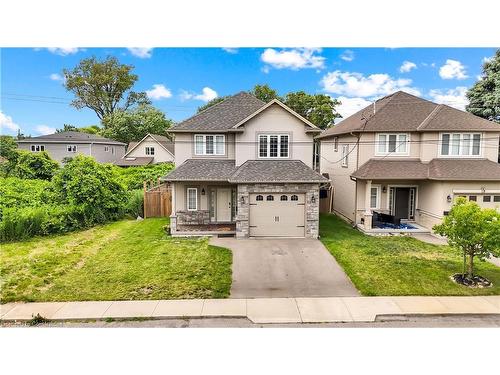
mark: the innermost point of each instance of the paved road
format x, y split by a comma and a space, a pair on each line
396, 322
285, 268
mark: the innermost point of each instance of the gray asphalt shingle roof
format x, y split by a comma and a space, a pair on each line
134, 161
405, 112
436, 169
202, 170
275, 171
222, 116
70, 136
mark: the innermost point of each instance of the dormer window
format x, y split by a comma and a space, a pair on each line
206, 144
460, 144
392, 144
273, 146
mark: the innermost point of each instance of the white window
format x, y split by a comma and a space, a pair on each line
71, 148
375, 197
336, 144
37, 148
192, 199
113, 150
150, 150
205, 144
392, 144
345, 155
106, 148
273, 146
460, 144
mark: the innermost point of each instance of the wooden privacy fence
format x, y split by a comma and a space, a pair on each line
157, 199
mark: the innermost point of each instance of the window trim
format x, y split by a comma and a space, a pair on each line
106, 148
68, 146
148, 149
388, 153
460, 147
336, 144
196, 198
268, 145
378, 187
345, 156
204, 144
41, 148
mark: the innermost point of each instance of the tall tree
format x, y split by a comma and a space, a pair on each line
265, 93
484, 96
91, 129
103, 86
134, 124
317, 108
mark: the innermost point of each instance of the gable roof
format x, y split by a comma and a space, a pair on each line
222, 116
134, 161
163, 141
436, 169
403, 112
71, 136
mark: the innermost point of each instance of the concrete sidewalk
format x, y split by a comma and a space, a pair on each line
258, 310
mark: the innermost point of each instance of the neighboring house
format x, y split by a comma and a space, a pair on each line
244, 167
409, 157
151, 149
68, 144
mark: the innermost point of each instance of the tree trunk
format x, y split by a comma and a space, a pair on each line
471, 266
465, 264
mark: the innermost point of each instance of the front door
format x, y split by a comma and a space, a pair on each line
401, 203
224, 204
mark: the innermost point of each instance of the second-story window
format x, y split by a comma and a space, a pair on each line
71, 148
206, 144
335, 144
345, 155
396, 144
37, 148
150, 150
273, 146
460, 144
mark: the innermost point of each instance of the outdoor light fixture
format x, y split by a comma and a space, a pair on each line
242, 200
384, 189
448, 199
202, 191
313, 199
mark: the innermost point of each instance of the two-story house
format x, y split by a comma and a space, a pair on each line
69, 144
408, 157
245, 167
151, 149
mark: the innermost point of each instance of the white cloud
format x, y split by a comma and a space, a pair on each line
349, 106
7, 125
206, 95
453, 97
159, 92
64, 51
56, 77
347, 55
295, 59
142, 53
44, 129
487, 59
230, 50
407, 66
354, 84
452, 69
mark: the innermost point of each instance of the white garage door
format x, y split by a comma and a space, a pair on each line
277, 215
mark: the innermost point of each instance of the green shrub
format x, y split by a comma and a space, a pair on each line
135, 204
33, 165
133, 177
20, 193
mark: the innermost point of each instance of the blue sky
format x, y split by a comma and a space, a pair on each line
181, 79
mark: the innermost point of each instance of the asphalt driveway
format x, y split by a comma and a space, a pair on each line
284, 268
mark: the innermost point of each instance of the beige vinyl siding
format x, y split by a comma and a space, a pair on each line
160, 156
184, 147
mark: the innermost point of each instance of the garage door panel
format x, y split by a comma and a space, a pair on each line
277, 218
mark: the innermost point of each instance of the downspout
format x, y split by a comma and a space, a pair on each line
91, 143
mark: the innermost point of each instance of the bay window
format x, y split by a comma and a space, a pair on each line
273, 146
396, 144
460, 144
206, 144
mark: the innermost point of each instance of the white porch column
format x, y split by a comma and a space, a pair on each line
172, 191
368, 212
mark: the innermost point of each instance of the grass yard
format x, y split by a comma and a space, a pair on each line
381, 266
124, 260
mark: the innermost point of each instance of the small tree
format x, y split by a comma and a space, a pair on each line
475, 232
36, 165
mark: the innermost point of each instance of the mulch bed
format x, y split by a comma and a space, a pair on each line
474, 282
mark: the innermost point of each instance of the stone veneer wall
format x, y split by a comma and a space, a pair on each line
312, 209
193, 217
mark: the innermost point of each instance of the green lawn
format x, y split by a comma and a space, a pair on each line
124, 260
381, 266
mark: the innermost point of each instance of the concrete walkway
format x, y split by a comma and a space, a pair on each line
258, 310
271, 268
